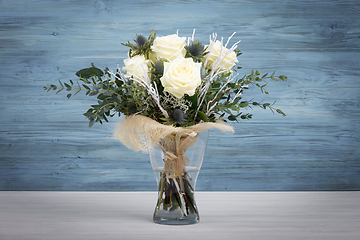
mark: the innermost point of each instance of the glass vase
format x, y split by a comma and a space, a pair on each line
176, 162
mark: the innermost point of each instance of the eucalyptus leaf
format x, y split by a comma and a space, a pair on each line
232, 118
281, 112
243, 104
91, 123
89, 72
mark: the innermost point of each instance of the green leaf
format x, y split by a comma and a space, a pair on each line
246, 116
104, 116
102, 96
90, 72
68, 87
91, 123
119, 83
227, 111
281, 112
232, 118
236, 100
266, 105
89, 115
202, 116
282, 77
243, 104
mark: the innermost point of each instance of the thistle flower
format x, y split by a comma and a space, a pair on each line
158, 68
140, 40
178, 115
196, 50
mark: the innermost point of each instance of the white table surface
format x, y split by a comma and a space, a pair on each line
223, 215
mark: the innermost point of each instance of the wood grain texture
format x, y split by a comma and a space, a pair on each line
45, 143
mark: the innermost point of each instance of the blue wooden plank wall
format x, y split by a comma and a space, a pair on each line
45, 142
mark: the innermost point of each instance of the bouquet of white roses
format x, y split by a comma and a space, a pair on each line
170, 89
172, 80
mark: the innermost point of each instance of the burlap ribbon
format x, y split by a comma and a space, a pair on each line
140, 133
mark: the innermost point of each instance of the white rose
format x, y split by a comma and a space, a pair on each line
137, 67
181, 76
169, 47
226, 63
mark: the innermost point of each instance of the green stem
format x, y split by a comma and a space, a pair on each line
103, 107
161, 190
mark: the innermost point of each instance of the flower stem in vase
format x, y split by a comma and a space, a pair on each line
176, 198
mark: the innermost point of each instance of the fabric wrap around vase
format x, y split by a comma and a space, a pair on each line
176, 155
